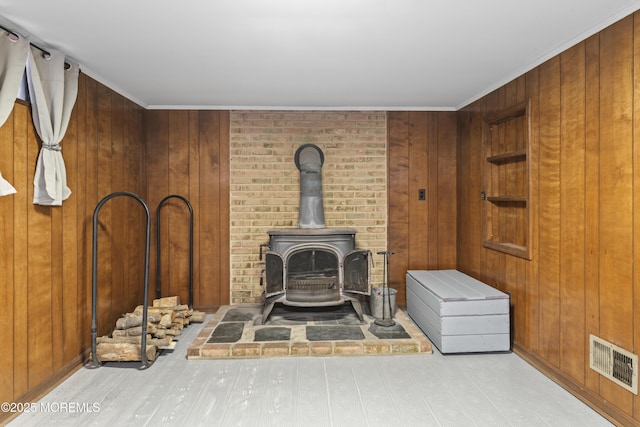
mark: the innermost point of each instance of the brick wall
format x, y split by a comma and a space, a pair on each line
265, 189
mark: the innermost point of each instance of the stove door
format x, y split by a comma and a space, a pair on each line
274, 274
357, 272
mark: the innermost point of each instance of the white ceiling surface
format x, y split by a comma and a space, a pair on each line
309, 54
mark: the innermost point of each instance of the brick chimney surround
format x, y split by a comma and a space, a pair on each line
265, 187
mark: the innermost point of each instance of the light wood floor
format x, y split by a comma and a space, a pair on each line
420, 390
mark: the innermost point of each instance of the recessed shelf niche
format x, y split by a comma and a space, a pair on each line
506, 181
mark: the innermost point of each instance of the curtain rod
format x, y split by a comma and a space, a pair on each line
45, 53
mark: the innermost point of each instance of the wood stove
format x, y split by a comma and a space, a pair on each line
313, 265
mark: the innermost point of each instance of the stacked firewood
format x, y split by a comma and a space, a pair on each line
165, 320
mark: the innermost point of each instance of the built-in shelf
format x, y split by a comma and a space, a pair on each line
506, 209
508, 248
510, 156
507, 199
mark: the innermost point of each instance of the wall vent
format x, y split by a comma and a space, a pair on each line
615, 363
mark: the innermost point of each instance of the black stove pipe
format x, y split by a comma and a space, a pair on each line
309, 160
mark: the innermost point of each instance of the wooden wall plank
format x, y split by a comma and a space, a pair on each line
7, 263
83, 249
572, 211
469, 237
431, 183
118, 208
549, 208
178, 214
636, 193
464, 246
592, 199
57, 264
39, 279
210, 248
447, 182
157, 188
420, 168
134, 173
21, 175
92, 196
616, 193
67, 257
531, 303
194, 197
105, 302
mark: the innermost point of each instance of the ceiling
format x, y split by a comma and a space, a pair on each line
308, 54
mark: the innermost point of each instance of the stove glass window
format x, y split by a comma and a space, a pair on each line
312, 263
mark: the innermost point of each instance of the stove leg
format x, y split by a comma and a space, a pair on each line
358, 309
268, 306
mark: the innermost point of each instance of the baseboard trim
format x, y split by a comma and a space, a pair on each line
591, 399
46, 386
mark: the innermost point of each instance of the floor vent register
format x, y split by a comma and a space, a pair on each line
615, 363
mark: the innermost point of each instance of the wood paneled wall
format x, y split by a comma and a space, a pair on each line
585, 200
188, 154
422, 155
45, 252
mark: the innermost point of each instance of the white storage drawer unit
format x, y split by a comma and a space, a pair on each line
458, 313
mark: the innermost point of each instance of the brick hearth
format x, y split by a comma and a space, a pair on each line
337, 325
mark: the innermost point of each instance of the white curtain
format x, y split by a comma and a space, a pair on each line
53, 92
13, 57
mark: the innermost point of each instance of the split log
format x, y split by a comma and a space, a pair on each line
135, 340
135, 331
181, 310
197, 316
128, 321
123, 352
119, 333
161, 310
167, 301
174, 332
166, 320
131, 320
171, 346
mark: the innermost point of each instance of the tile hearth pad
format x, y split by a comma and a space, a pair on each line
227, 332
334, 333
235, 332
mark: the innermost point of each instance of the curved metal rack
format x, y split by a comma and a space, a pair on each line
94, 322
158, 249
